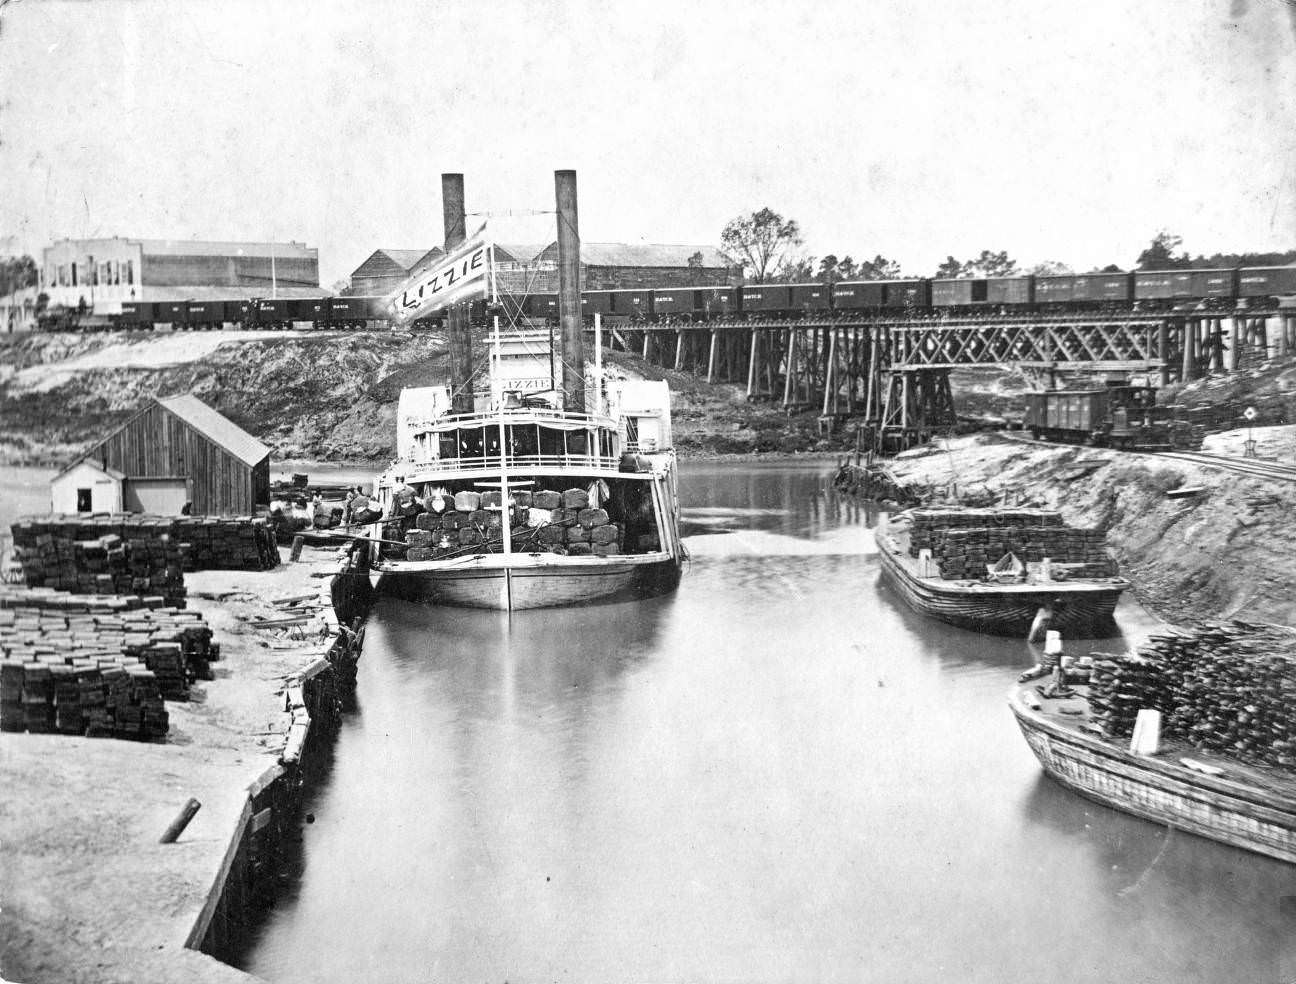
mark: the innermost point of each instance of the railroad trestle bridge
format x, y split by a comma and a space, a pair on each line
893, 373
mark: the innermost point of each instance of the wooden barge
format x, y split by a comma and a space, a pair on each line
1076, 606
1242, 806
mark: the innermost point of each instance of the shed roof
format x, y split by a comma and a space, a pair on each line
112, 473
221, 430
194, 247
199, 292
641, 255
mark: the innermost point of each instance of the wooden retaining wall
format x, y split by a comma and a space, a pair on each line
248, 878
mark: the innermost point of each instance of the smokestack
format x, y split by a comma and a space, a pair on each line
460, 341
569, 291
452, 209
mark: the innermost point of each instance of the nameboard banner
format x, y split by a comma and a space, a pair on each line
461, 276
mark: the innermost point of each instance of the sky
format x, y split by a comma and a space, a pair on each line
917, 129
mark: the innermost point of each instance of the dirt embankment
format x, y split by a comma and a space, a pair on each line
1228, 550
310, 396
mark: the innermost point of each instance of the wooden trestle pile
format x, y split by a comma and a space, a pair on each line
443, 526
96, 665
1227, 687
964, 542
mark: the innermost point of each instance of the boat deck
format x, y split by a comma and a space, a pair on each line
1071, 715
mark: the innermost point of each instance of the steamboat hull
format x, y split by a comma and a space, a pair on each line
517, 584
1079, 609
1161, 791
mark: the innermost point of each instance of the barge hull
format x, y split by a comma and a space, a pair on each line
1087, 613
1161, 791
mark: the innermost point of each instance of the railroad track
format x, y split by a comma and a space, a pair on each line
1251, 467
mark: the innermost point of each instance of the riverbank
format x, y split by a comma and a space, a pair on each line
1227, 550
87, 892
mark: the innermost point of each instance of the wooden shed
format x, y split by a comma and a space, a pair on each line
179, 450
87, 485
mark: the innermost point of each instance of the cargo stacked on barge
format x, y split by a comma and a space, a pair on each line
1003, 571
1223, 762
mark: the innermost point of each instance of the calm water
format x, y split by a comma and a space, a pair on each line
774, 774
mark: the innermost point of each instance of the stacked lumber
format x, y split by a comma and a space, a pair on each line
1227, 687
965, 553
440, 526
95, 665
928, 522
107, 564
203, 542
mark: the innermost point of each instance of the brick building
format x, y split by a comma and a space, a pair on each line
105, 272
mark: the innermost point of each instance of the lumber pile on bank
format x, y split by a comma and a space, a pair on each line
1227, 687
96, 665
442, 526
965, 541
158, 548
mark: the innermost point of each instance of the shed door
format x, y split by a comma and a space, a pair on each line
164, 496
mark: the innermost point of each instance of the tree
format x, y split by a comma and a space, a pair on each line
847, 269
990, 264
760, 241
1161, 254
795, 270
696, 260
828, 269
879, 268
950, 269
17, 272
1111, 268
1050, 268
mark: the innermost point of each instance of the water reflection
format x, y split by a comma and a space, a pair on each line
771, 774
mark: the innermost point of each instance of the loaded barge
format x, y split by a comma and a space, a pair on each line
1193, 730
1001, 571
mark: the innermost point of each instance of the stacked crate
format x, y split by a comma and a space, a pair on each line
472, 522
107, 564
965, 541
96, 665
1227, 687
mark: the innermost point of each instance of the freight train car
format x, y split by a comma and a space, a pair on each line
1125, 417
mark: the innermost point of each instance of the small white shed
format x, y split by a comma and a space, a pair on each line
87, 485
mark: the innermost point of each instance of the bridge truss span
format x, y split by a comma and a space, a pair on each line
949, 344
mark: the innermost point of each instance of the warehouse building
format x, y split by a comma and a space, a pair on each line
101, 273
174, 451
533, 268
387, 269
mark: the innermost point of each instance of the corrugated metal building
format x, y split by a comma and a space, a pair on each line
179, 450
105, 272
387, 269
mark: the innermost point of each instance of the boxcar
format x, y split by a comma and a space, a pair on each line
355, 311
635, 303
1065, 414
907, 294
1010, 290
1103, 287
1054, 289
720, 302
1155, 285
763, 298
171, 312
207, 313
541, 306
810, 298
598, 302
138, 313
1214, 283
683, 300
858, 295
955, 293
314, 309
1266, 281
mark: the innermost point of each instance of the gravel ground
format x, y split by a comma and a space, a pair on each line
87, 894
